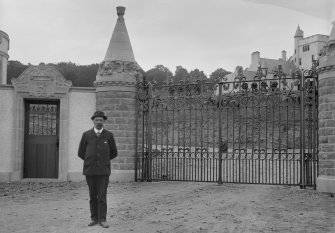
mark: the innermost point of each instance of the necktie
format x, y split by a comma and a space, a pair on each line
98, 134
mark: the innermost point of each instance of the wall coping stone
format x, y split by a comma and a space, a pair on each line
6, 87
82, 89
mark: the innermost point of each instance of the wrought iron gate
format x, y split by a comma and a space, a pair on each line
259, 131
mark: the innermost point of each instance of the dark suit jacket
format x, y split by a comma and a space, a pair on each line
97, 152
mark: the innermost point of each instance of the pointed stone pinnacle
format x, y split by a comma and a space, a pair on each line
119, 48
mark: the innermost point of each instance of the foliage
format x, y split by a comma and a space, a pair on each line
196, 124
181, 73
80, 75
159, 74
197, 74
14, 70
85, 75
218, 73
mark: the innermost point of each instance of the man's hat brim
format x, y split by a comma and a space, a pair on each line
99, 114
104, 117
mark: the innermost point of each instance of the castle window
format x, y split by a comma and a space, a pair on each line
305, 48
312, 57
295, 51
300, 61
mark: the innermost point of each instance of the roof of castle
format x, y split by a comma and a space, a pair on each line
272, 65
299, 32
248, 74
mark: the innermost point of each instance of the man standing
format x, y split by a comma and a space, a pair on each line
97, 148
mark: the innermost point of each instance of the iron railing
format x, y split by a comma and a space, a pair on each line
260, 131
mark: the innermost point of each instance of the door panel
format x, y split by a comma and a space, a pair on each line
41, 140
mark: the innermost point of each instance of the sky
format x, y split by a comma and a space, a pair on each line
199, 34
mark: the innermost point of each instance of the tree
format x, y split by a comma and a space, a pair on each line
80, 75
218, 73
181, 73
14, 70
196, 74
159, 74
68, 70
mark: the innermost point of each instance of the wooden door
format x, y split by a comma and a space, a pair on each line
41, 139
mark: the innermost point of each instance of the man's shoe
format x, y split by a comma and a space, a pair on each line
103, 224
93, 223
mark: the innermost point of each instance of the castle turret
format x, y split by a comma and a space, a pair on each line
255, 56
299, 34
283, 55
4, 47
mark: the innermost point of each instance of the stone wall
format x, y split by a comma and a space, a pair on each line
81, 108
315, 43
6, 132
79, 112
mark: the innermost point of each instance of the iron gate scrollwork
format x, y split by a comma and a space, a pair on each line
259, 131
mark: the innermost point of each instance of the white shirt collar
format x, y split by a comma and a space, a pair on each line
98, 131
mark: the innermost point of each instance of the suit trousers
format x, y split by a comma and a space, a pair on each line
98, 196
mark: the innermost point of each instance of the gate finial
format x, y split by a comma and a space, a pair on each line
120, 10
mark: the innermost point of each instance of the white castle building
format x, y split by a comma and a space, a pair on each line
307, 49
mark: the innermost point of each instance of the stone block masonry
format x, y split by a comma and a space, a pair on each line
326, 176
119, 106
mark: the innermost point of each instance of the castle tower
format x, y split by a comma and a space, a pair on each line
299, 34
4, 47
115, 95
283, 55
255, 56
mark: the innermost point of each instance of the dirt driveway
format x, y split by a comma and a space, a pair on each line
166, 207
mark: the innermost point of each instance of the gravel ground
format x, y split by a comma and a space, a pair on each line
166, 207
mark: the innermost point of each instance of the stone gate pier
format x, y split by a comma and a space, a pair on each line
326, 70
115, 95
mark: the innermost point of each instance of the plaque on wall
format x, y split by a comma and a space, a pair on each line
42, 86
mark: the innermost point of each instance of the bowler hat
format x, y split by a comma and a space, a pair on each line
99, 114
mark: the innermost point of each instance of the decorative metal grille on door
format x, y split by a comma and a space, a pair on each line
42, 119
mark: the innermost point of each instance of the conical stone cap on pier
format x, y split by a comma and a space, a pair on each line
119, 68
331, 40
119, 46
